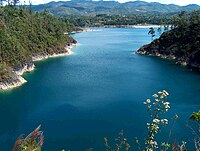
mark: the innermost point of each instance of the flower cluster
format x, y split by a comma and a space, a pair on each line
156, 107
157, 121
164, 121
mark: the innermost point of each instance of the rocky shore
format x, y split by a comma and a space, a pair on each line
145, 50
17, 80
67, 51
169, 46
179, 60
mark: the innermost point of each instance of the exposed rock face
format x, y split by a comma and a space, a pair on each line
152, 50
65, 52
17, 80
174, 46
12, 83
26, 68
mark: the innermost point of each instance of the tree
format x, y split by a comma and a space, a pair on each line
24, 34
159, 30
151, 32
30, 7
14, 2
166, 28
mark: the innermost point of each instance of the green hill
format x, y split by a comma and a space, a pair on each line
89, 7
23, 35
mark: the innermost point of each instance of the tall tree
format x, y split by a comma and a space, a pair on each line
166, 27
151, 32
159, 30
15, 2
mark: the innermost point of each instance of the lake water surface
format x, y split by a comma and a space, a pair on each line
97, 92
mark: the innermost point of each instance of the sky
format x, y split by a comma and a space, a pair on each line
177, 2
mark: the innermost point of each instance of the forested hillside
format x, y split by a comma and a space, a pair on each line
90, 7
24, 34
181, 44
104, 20
89, 13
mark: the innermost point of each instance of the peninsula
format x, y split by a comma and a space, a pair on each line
181, 44
26, 37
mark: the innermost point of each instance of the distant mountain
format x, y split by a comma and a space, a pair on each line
89, 7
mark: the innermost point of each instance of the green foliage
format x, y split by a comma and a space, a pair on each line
107, 13
181, 43
121, 142
5, 72
156, 108
195, 116
24, 34
90, 7
151, 32
159, 30
119, 20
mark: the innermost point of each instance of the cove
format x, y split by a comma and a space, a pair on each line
97, 92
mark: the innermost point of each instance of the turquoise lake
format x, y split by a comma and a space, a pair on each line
97, 92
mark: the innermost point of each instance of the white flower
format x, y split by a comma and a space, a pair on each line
153, 143
164, 91
156, 127
162, 96
164, 121
156, 120
148, 101
167, 106
166, 103
155, 95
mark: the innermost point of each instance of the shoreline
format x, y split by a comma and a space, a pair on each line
178, 61
17, 79
68, 51
126, 26
162, 56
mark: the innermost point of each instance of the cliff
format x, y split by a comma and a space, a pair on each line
180, 44
15, 78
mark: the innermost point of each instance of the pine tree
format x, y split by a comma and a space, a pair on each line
151, 32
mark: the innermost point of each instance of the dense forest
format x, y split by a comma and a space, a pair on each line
24, 34
89, 13
181, 44
109, 7
103, 20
